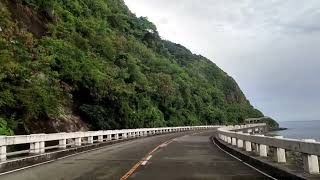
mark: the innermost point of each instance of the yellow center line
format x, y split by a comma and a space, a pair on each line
138, 164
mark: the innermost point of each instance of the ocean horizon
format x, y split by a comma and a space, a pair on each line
307, 129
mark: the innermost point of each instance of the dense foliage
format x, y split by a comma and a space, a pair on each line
271, 123
111, 67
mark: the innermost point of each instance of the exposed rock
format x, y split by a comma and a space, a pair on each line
68, 121
28, 18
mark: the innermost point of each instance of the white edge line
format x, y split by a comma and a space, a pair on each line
269, 176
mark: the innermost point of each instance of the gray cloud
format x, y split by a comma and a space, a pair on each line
269, 46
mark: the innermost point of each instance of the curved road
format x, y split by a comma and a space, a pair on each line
173, 156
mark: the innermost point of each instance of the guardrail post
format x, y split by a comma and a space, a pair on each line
3, 153
133, 134
77, 141
35, 147
116, 136
100, 138
109, 137
263, 152
240, 143
41, 143
234, 141
248, 147
229, 140
310, 162
129, 134
124, 135
256, 146
280, 153
42, 146
62, 143
90, 140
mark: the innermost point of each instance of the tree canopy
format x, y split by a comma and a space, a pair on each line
111, 67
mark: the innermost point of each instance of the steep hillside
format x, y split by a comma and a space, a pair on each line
92, 64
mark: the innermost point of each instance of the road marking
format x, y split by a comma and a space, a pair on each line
269, 176
163, 145
149, 157
143, 161
67, 156
64, 157
146, 161
117, 142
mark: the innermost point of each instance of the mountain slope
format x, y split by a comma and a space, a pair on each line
93, 63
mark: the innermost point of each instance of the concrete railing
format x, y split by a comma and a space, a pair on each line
247, 141
40, 143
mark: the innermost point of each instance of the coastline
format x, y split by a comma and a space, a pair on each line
277, 129
273, 132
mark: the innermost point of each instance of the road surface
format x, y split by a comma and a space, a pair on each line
171, 156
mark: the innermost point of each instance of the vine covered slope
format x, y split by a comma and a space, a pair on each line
92, 64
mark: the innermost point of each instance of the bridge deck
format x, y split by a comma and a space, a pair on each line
187, 157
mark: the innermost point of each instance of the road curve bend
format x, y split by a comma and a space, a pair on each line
189, 155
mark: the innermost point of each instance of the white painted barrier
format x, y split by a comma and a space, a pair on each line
39, 142
309, 148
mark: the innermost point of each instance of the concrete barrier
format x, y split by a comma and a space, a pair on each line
309, 148
41, 143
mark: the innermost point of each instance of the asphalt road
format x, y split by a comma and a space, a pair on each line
181, 157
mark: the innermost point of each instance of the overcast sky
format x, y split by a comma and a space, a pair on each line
271, 47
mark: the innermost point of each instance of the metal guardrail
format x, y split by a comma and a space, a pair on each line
309, 148
40, 143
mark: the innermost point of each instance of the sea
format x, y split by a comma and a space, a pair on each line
300, 130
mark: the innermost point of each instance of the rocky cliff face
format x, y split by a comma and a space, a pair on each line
79, 65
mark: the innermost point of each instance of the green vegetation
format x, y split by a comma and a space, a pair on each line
111, 67
271, 123
4, 130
